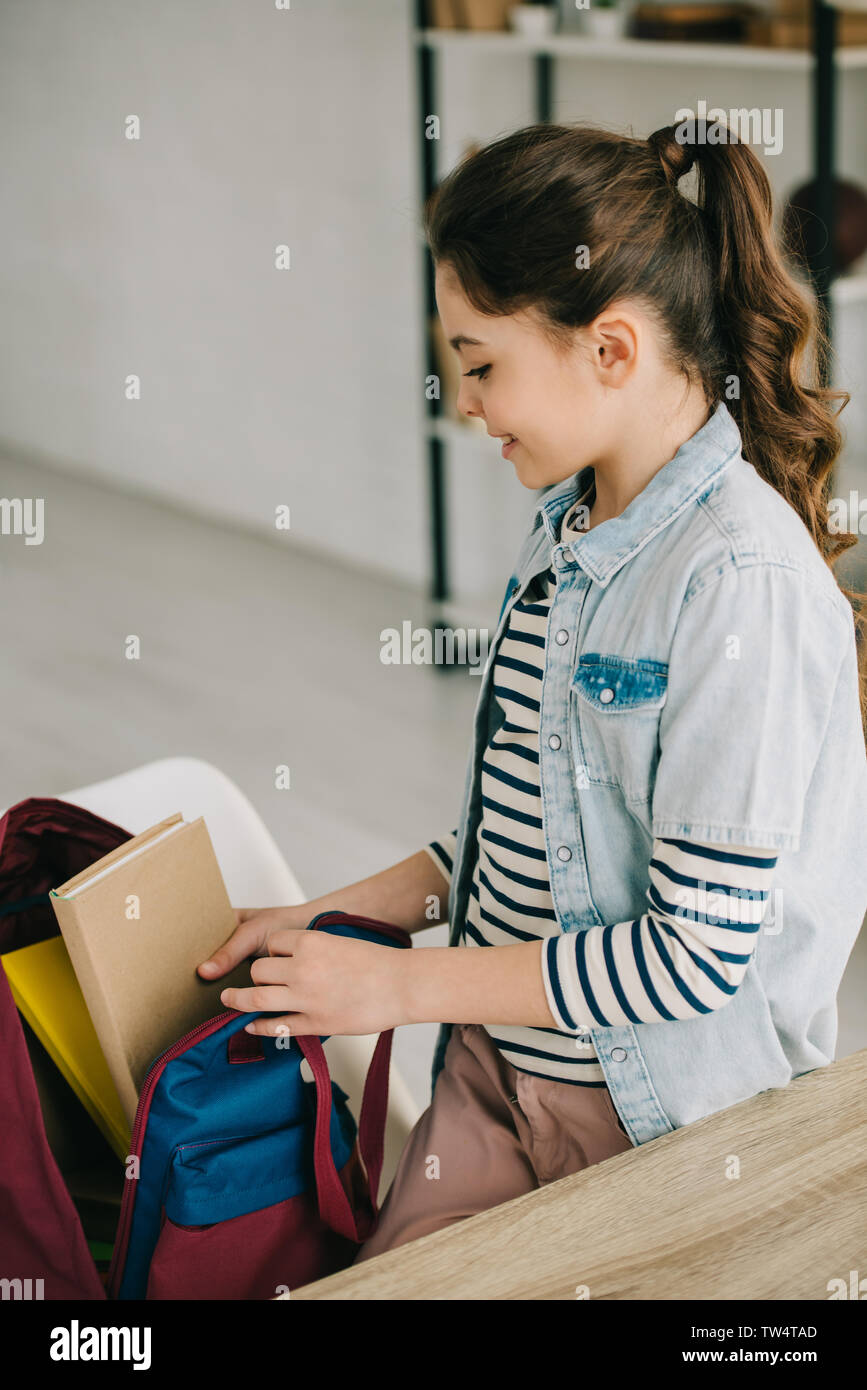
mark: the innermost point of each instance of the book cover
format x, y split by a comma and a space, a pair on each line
136, 924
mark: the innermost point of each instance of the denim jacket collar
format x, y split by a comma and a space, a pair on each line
691, 473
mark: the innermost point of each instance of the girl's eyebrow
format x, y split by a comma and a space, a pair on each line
461, 339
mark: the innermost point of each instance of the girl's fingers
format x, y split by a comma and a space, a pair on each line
268, 998
242, 914
247, 939
290, 1025
283, 941
271, 970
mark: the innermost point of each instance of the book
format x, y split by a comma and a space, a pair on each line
48, 995
136, 924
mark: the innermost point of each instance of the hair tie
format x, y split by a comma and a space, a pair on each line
675, 158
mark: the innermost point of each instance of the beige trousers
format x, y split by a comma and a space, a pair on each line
490, 1133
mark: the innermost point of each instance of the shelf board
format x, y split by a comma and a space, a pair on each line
583, 46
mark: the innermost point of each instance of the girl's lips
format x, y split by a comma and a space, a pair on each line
507, 448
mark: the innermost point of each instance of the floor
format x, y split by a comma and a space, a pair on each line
253, 654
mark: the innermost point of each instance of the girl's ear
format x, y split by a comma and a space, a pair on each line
616, 339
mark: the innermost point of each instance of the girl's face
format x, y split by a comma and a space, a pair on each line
515, 381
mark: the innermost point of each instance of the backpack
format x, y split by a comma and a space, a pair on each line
243, 1180
249, 1180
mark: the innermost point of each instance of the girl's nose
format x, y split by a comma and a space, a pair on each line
467, 401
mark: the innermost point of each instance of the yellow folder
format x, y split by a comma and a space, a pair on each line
47, 993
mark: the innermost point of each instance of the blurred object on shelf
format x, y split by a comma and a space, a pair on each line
850, 218
533, 21
468, 14
720, 23
571, 18
485, 14
765, 24
443, 14
789, 24
606, 19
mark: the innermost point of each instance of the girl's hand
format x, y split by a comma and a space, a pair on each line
250, 937
323, 985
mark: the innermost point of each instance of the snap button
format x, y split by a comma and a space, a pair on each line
554, 741
618, 1054
606, 696
564, 852
561, 636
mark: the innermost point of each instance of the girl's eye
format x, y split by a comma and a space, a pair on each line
480, 372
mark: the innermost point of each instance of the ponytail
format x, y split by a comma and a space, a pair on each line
772, 334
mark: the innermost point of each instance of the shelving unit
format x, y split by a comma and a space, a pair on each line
824, 62
633, 50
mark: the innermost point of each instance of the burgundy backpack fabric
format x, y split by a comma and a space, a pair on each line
43, 842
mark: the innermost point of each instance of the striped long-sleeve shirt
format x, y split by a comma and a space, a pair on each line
687, 952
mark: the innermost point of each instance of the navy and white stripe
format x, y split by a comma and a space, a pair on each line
442, 852
672, 962
685, 956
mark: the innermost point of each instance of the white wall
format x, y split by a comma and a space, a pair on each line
156, 257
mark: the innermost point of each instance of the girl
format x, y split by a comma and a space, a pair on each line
662, 846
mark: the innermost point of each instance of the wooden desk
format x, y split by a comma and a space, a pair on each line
668, 1220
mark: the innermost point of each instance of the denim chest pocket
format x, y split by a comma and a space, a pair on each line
615, 721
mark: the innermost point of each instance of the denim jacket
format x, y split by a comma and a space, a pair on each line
700, 681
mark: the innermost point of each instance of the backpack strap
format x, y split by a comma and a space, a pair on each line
334, 1206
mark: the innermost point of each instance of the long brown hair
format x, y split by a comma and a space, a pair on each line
509, 219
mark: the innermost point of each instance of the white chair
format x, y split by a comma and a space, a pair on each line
256, 875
